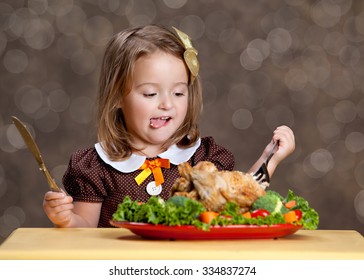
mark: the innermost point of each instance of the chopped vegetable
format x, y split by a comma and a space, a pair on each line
271, 201
207, 216
156, 211
269, 209
290, 204
260, 213
310, 218
247, 215
290, 217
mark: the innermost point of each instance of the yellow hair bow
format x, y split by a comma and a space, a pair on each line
190, 55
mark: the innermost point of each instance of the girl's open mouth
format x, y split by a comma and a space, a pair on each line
159, 122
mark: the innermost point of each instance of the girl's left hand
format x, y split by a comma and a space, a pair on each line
285, 140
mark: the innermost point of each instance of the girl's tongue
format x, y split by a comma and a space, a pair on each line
158, 122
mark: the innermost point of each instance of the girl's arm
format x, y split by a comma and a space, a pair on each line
286, 145
65, 213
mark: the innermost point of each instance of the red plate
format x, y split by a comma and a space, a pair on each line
151, 231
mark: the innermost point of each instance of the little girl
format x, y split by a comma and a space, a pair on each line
149, 103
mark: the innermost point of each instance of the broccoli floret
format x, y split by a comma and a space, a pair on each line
271, 201
177, 200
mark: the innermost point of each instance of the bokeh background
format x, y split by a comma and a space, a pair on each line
263, 64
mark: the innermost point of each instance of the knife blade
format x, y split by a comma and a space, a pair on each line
32, 146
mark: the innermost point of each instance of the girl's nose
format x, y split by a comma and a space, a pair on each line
165, 102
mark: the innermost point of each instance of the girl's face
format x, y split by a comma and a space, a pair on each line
157, 103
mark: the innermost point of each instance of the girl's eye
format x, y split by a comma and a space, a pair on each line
149, 94
179, 94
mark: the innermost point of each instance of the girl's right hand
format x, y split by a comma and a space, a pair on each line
58, 207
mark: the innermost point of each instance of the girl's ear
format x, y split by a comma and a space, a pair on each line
120, 105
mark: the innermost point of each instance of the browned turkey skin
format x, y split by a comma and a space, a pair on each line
214, 188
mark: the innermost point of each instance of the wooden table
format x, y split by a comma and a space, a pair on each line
121, 244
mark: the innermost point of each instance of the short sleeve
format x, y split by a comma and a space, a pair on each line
83, 179
209, 150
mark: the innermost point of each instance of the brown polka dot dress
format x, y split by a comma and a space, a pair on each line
89, 179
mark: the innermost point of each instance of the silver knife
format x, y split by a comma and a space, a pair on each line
32, 146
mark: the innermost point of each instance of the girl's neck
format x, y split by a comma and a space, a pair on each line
150, 151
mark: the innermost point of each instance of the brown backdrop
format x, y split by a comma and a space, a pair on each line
263, 63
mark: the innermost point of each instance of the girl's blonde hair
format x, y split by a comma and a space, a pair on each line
116, 75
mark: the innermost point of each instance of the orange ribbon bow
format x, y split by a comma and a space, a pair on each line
152, 166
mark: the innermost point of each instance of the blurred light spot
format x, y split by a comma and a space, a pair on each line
29, 99
58, 172
334, 43
125, 7
231, 40
279, 40
108, 5
5, 13
278, 115
142, 13
359, 174
343, 5
81, 109
193, 25
5, 145
58, 100
316, 65
355, 142
175, 4
359, 203
69, 45
38, 6
72, 22
267, 22
40, 34
325, 15
341, 86
14, 137
349, 55
296, 79
60, 7
242, 119
344, 111
98, 30
327, 125
354, 29
216, 22
15, 61
83, 62
260, 45
317, 164
48, 122
19, 22
251, 59
16, 216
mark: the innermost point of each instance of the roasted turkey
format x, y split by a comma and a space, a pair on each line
214, 188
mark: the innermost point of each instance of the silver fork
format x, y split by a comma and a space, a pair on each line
262, 174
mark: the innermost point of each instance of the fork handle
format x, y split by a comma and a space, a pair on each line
271, 153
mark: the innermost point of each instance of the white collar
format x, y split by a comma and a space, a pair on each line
175, 155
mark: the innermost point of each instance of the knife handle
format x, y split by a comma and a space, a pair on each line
52, 184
